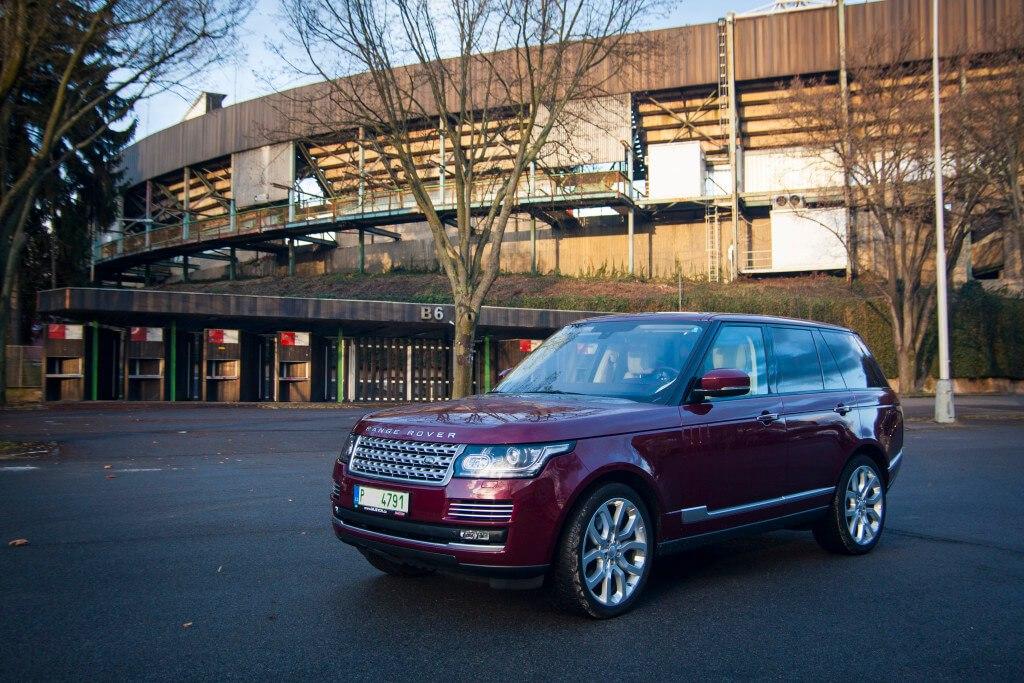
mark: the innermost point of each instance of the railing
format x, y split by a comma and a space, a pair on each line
24, 367
757, 259
566, 187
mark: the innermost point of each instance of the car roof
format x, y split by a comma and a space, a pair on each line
704, 317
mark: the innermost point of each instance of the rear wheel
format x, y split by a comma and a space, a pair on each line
605, 554
856, 518
393, 567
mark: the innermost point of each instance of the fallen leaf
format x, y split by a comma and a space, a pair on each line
111, 476
219, 568
187, 624
18, 542
107, 467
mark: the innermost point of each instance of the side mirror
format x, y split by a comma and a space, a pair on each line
722, 383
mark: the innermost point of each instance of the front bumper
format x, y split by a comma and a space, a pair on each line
435, 555
432, 535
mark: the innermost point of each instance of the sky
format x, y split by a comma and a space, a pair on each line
259, 70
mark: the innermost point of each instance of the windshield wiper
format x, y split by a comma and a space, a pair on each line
556, 391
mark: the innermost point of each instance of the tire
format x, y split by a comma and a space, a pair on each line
863, 510
393, 567
621, 561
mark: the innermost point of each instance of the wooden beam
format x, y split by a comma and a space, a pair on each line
317, 173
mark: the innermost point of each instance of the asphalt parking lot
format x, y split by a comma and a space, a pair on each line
217, 517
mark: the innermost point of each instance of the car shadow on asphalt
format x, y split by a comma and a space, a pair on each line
473, 604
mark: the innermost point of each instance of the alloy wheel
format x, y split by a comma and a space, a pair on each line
865, 501
614, 551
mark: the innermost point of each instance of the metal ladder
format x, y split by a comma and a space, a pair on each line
713, 240
723, 77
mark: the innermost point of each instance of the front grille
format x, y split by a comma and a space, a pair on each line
481, 510
414, 462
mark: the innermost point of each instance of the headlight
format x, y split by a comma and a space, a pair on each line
346, 451
507, 462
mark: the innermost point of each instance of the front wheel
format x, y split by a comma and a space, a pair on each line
605, 555
856, 517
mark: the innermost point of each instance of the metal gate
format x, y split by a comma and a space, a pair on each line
431, 370
401, 370
380, 369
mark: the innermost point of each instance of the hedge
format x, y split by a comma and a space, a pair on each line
986, 336
987, 329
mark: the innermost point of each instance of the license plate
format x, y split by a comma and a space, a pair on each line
380, 500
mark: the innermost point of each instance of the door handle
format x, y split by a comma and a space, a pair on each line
767, 418
842, 409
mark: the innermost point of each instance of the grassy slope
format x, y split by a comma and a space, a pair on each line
988, 330
547, 291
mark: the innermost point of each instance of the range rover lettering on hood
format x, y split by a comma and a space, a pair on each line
416, 433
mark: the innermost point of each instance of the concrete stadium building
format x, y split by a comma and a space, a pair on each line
694, 169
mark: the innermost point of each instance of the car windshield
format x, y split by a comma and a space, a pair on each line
636, 360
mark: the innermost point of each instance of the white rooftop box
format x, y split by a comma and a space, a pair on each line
808, 239
790, 169
675, 170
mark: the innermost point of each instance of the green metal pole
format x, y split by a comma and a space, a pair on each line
487, 363
94, 364
184, 268
533, 245
362, 252
341, 366
291, 257
231, 265
173, 362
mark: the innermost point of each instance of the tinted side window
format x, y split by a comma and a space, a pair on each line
799, 369
740, 347
876, 378
829, 369
853, 362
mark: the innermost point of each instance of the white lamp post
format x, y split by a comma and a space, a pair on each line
944, 411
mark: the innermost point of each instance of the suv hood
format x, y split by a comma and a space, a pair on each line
517, 418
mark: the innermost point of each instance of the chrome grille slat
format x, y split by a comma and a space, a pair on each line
497, 511
414, 462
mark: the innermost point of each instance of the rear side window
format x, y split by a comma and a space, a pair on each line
876, 378
829, 368
858, 367
797, 359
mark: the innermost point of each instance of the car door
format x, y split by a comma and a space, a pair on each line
818, 408
735, 446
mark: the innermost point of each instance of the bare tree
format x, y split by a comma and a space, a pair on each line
495, 77
883, 147
996, 130
69, 72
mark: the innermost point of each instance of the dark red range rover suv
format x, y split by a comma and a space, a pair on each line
624, 438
